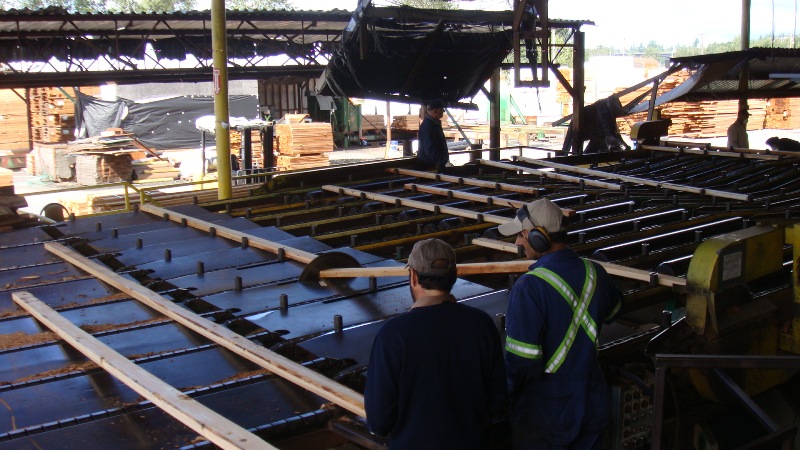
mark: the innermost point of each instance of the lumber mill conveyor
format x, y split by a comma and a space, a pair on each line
211, 299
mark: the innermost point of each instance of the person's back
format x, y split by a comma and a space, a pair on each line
443, 357
566, 386
737, 132
432, 150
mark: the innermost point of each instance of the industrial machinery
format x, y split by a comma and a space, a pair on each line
212, 299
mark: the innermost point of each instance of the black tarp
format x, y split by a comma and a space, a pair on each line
416, 61
160, 124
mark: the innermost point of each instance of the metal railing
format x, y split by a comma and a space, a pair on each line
146, 194
716, 363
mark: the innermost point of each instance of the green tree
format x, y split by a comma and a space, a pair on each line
257, 4
73, 6
427, 4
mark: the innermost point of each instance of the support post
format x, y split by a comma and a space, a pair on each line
578, 84
221, 119
494, 116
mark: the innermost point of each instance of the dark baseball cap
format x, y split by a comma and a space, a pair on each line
435, 103
432, 257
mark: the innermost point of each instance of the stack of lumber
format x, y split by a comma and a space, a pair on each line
13, 121
255, 146
303, 145
154, 170
52, 160
406, 122
6, 179
52, 114
779, 114
369, 122
702, 119
91, 169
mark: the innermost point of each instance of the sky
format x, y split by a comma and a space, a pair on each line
623, 23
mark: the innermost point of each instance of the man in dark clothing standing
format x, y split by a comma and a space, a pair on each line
432, 148
559, 399
435, 376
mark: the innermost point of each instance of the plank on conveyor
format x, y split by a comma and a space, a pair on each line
306, 378
196, 416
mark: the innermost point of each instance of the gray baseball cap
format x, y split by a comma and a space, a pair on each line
432, 257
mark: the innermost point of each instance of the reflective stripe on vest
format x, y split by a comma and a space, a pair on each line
522, 349
580, 310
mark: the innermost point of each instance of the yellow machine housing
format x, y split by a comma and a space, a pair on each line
721, 309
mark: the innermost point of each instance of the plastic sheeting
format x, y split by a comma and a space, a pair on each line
417, 63
160, 124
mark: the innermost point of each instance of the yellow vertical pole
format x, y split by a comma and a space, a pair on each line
219, 45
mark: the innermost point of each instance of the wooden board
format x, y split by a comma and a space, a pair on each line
277, 364
212, 426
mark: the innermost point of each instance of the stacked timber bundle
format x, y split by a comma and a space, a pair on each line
52, 114
370, 122
407, 122
91, 169
154, 170
695, 119
779, 113
702, 119
14, 143
303, 145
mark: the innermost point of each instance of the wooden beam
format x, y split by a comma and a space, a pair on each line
767, 155
217, 429
613, 269
398, 201
516, 266
277, 364
467, 181
641, 181
475, 197
549, 174
229, 233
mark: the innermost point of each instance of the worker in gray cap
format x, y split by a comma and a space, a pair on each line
737, 132
435, 376
432, 150
558, 396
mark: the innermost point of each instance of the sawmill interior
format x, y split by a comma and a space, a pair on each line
252, 317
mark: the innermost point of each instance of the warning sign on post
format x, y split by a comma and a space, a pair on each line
217, 81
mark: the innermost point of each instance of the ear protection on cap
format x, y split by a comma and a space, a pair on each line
538, 237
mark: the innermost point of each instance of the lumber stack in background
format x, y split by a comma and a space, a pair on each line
13, 121
52, 114
407, 122
91, 169
303, 145
154, 170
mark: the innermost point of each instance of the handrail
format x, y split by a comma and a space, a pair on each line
716, 363
143, 191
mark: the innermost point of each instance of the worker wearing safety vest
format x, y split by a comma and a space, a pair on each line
559, 398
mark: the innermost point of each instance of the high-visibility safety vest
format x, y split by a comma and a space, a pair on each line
581, 319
